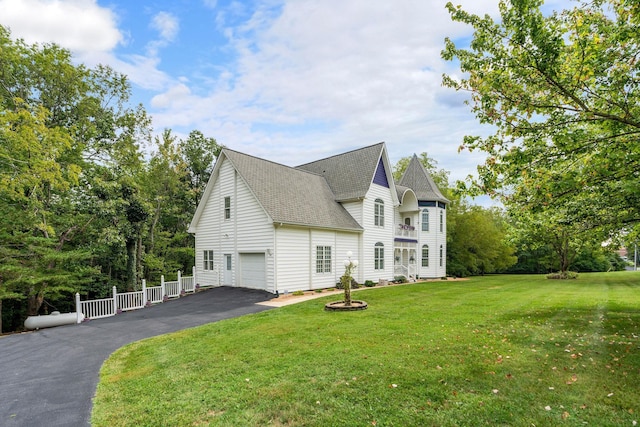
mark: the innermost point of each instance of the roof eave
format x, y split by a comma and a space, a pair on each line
277, 223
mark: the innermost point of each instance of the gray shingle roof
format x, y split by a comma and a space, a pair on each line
420, 181
291, 196
349, 174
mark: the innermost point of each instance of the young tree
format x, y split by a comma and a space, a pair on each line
563, 95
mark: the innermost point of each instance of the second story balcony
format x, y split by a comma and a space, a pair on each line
406, 231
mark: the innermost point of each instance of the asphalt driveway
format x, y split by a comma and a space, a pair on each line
49, 377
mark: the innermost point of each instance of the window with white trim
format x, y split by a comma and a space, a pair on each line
441, 255
208, 260
378, 256
323, 259
425, 220
378, 212
441, 221
227, 207
425, 255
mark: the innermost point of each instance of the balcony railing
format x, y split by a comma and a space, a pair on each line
406, 231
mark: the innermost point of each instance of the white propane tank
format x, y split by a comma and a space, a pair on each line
54, 319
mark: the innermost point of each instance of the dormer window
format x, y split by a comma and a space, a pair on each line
378, 212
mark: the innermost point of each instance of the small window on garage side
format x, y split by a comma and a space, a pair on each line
227, 207
208, 260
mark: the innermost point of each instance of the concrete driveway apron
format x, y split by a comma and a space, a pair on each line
49, 377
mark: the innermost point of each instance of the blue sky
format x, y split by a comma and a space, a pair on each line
288, 80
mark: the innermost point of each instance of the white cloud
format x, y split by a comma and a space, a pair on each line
333, 75
307, 79
78, 25
91, 32
166, 24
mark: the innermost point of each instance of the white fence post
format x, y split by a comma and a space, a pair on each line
180, 288
164, 293
144, 293
115, 300
78, 308
195, 282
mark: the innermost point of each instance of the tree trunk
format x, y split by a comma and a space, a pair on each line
139, 251
34, 302
131, 263
152, 229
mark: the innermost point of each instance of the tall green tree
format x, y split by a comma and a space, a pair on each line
167, 184
562, 93
199, 153
61, 126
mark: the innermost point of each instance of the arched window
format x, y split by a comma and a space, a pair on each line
378, 212
425, 220
425, 255
441, 255
378, 256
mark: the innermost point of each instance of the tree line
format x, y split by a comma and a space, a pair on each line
83, 205
90, 198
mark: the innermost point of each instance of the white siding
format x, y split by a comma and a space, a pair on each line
324, 279
346, 242
355, 210
296, 257
253, 229
292, 258
248, 229
434, 238
374, 234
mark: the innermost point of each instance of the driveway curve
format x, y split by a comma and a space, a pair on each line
49, 377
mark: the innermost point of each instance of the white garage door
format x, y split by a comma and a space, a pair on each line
253, 274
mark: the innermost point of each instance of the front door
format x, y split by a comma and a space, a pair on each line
228, 270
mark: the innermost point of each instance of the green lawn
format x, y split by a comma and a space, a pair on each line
500, 350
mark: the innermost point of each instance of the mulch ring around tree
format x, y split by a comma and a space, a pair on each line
342, 306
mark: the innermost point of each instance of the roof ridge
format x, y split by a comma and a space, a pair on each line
257, 158
340, 154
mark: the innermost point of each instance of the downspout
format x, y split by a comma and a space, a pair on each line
274, 257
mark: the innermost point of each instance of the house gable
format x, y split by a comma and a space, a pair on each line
287, 195
351, 174
380, 177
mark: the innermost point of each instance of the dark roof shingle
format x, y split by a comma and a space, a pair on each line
291, 196
421, 182
348, 174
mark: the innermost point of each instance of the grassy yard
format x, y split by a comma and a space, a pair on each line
501, 350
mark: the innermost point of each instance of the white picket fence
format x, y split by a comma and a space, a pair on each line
119, 302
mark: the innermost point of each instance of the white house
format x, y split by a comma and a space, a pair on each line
267, 226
